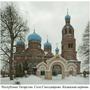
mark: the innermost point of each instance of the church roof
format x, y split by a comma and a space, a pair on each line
20, 43
57, 49
34, 37
67, 17
47, 44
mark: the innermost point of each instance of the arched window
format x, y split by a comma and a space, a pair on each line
65, 31
42, 72
70, 45
70, 31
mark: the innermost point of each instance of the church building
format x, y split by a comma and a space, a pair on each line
42, 62
27, 59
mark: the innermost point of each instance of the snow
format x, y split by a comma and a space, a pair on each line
32, 79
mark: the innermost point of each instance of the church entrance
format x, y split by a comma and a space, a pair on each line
55, 68
56, 71
71, 71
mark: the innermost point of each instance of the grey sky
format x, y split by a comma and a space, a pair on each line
48, 18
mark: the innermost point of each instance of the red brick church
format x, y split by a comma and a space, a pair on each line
26, 59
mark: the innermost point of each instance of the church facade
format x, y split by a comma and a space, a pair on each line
27, 59
42, 62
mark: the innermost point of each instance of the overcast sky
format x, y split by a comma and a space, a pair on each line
48, 18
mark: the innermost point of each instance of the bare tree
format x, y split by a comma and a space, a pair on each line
12, 25
85, 47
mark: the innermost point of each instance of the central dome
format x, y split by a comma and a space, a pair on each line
34, 37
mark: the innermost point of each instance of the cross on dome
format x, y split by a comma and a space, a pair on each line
47, 38
67, 11
34, 30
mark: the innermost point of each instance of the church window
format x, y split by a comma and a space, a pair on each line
70, 31
70, 45
65, 31
42, 72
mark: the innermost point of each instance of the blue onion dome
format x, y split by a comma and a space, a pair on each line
34, 37
57, 50
67, 17
47, 44
20, 43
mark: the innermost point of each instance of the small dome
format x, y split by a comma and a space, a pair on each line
20, 43
57, 50
34, 37
67, 17
47, 45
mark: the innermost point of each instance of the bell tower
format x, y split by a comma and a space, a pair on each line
68, 50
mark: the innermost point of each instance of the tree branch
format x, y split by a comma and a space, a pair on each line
5, 52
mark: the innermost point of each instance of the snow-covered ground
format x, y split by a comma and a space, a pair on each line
56, 80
